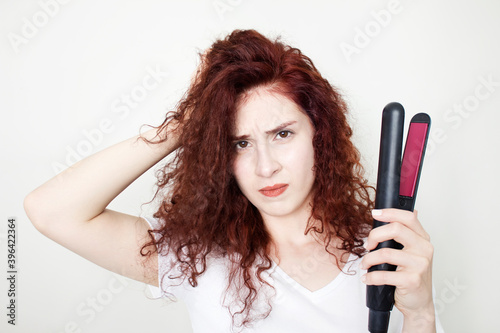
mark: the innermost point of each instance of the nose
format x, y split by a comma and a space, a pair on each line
267, 163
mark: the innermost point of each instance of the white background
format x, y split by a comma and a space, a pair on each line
64, 68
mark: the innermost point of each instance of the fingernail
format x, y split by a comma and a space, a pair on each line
376, 212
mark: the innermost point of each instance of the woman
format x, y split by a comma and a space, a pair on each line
264, 221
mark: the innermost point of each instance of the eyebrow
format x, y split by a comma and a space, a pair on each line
281, 127
278, 128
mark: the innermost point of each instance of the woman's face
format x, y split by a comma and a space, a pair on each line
274, 154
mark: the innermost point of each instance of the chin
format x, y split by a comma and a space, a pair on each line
280, 210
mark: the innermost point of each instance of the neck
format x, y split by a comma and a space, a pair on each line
289, 241
290, 230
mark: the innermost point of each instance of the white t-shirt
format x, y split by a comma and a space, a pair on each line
340, 306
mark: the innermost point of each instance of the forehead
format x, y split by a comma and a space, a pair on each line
265, 108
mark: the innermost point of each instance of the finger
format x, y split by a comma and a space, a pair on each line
407, 218
397, 231
402, 259
399, 279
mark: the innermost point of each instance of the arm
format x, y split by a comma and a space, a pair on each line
413, 277
71, 207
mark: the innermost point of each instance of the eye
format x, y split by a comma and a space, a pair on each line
241, 144
283, 134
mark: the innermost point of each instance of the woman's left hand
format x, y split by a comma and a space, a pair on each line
413, 276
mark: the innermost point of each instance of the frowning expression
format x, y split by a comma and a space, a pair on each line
274, 153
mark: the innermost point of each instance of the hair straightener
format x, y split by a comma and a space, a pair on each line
397, 183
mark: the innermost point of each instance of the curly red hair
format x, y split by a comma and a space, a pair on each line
203, 211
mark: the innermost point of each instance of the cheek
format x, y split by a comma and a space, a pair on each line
301, 157
304, 165
308, 166
239, 171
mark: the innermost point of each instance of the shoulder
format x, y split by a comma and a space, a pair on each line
152, 222
172, 275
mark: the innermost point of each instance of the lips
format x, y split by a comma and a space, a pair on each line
274, 191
